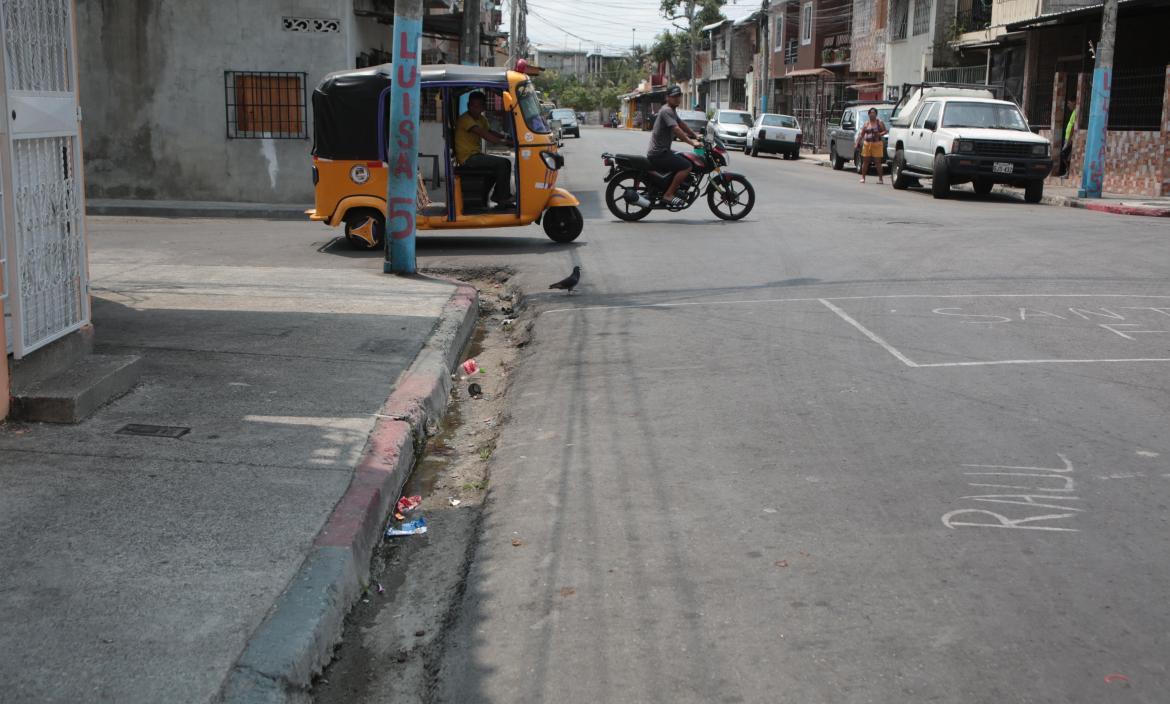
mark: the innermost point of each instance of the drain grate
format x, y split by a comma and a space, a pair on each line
153, 431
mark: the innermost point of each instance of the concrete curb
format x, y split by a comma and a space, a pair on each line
296, 639
194, 209
1070, 202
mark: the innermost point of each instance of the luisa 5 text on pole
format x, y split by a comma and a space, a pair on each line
402, 191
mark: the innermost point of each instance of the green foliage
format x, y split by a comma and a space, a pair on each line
690, 16
595, 92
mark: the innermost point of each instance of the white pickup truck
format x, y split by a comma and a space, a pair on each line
959, 135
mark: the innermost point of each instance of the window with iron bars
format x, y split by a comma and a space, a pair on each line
899, 18
922, 16
265, 105
791, 52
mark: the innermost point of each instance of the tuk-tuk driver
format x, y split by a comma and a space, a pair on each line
667, 126
470, 129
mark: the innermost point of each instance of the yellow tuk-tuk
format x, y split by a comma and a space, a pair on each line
350, 154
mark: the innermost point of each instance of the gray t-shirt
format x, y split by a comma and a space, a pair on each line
662, 135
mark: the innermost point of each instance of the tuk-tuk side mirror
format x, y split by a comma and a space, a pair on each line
509, 102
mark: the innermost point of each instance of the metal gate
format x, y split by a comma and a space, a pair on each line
40, 151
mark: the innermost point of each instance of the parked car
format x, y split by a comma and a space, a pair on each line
956, 135
694, 119
568, 118
843, 137
730, 126
775, 134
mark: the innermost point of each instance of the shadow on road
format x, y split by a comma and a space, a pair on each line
457, 245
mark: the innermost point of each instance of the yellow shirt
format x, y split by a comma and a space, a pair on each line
467, 143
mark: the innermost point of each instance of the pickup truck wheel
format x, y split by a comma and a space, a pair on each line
940, 181
1034, 192
838, 162
898, 172
982, 186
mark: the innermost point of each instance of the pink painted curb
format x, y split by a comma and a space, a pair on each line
1127, 209
296, 639
356, 520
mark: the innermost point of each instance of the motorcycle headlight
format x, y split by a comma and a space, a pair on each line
1040, 150
552, 160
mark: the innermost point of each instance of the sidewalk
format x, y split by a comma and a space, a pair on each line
138, 569
1056, 192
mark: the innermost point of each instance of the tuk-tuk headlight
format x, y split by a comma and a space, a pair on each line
359, 174
552, 160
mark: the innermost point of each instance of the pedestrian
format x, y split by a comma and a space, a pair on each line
869, 138
1070, 132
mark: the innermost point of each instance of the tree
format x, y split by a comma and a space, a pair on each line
690, 16
673, 47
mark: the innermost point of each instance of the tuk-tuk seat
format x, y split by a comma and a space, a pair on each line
474, 182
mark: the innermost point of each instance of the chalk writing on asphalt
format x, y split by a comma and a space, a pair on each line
1123, 321
1019, 497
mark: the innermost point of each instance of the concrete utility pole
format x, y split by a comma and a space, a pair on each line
765, 56
469, 38
402, 191
1093, 174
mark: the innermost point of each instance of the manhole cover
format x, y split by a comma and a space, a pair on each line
154, 431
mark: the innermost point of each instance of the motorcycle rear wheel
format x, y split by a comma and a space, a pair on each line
617, 205
736, 203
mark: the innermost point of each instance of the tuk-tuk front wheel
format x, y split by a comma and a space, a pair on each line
563, 224
365, 228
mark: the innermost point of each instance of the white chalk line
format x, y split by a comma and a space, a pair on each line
681, 304
1001, 362
890, 348
871, 335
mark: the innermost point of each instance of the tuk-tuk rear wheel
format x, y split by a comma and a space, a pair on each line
363, 224
563, 224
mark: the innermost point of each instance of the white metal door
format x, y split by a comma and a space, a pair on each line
43, 219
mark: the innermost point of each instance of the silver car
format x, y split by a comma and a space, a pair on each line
730, 126
568, 118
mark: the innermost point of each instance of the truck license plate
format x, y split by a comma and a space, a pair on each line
1002, 167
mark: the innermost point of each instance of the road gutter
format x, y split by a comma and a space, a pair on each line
297, 637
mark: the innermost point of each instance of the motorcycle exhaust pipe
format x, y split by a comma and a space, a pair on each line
632, 197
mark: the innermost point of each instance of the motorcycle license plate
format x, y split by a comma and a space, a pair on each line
1002, 167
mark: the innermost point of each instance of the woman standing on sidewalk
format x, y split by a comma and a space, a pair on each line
869, 138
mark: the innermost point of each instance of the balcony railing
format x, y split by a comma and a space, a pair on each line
719, 68
958, 74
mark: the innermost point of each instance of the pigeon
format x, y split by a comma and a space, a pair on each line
569, 282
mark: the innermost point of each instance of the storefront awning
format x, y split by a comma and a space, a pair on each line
805, 72
1076, 14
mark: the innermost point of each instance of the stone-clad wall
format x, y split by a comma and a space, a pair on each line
1135, 162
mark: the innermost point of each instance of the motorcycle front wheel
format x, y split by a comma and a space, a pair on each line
618, 205
735, 201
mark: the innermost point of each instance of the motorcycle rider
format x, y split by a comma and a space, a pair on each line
667, 126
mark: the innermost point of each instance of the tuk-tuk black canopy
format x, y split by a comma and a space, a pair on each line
347, 104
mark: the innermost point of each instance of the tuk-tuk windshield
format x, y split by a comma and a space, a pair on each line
530, 108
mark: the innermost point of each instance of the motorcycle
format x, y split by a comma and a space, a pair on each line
636, 187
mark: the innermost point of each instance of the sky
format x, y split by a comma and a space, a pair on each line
604, 25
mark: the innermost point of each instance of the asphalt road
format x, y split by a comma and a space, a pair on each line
864, 446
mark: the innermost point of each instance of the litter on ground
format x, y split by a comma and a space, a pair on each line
417, 526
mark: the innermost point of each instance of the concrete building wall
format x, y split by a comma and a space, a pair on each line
868, 53
153, 98
907, 59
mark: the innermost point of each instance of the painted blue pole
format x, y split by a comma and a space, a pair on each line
1093, 173
402, 191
